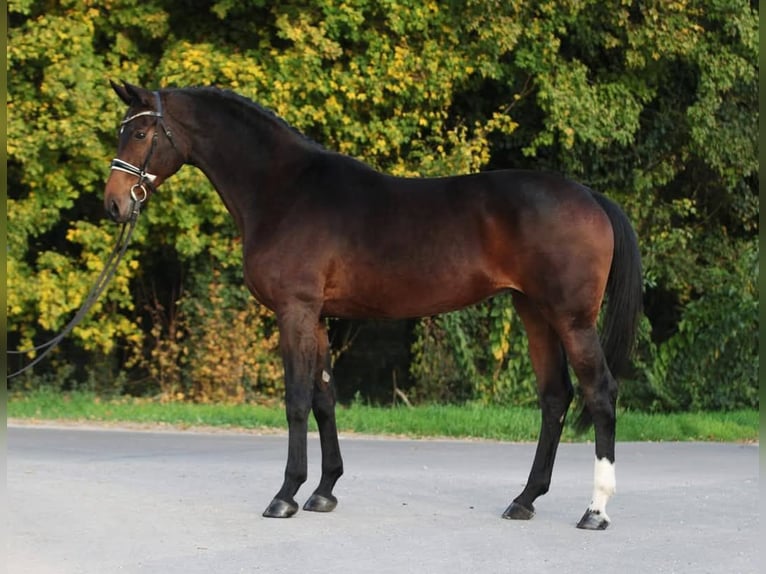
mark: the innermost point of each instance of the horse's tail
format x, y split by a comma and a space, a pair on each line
624, 298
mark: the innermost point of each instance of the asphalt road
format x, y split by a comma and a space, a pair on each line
102, 501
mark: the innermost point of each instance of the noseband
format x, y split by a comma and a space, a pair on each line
144, 177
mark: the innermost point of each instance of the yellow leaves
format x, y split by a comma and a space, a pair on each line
354, 96
50, 295
210, 350
309, 37
333, 106
500, 334
500, 351
568, 138
501, 122
16, 297
102, 338
187, 63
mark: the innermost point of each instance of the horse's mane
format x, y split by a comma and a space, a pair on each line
248, 106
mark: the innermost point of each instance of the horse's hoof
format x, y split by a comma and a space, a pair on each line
518, 512
281, 509
593, 520
319, 503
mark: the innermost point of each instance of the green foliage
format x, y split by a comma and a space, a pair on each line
653, 103
711, 361
479, 354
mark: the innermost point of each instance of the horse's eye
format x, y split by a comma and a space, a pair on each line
139, 135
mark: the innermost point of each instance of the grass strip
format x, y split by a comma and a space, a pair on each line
469, 421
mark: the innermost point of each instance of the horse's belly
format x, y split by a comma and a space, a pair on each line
397, 295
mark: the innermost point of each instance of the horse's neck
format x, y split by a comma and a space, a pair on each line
239, 157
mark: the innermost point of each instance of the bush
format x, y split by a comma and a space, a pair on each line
219, 345
711, 362
478, 354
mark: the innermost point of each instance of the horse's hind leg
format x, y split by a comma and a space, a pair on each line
600, 395
555, 394
322, 500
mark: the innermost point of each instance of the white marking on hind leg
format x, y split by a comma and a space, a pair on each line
604, 486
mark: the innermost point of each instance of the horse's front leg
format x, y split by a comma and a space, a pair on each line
322, 500
298, 346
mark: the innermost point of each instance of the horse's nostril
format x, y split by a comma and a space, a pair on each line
114, 210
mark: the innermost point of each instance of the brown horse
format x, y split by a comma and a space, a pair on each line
325, 235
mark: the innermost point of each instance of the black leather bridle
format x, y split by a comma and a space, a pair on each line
144, 177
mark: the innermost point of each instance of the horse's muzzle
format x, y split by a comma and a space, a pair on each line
123, 195
117, 202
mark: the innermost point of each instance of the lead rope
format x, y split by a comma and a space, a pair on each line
106, 275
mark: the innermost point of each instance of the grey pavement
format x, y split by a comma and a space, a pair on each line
89, 500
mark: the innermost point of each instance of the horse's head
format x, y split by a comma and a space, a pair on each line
146, 154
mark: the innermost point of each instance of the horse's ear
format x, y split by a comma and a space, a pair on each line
140, 96
132, 95
121, 91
